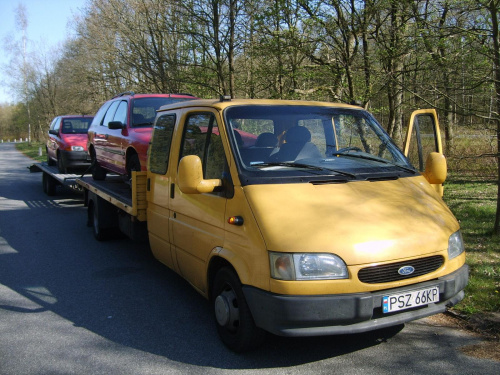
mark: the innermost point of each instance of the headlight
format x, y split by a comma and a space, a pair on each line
76, 148
307, 266
455, 245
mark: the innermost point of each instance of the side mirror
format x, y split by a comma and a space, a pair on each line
435, 168
52, 131
115, 125
190, 177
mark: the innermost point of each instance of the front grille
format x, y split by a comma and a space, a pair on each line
389, 272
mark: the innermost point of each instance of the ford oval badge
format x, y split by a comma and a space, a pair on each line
406, 270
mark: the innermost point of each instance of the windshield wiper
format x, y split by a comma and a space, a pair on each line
300, 165
374, 158
289, 164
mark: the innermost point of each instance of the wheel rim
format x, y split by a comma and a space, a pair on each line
227, 312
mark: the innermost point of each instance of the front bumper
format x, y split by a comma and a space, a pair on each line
75, 159
346, 313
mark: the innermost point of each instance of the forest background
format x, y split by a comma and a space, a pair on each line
390, 56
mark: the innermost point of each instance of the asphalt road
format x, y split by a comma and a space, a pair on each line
72, 305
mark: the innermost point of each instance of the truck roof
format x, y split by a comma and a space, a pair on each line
221, 104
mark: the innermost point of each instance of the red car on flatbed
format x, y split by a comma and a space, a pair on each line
119, 136
67, 143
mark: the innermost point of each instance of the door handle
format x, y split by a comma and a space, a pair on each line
172, 191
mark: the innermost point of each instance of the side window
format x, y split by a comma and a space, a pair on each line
121, 112
160, 143
110, 113
424, 140
215, 159
56, 123
202, 138
100, 114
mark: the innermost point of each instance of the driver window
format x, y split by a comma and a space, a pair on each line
56, 124
121, 113
202, 138
110, 113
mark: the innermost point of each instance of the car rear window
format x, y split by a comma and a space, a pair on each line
144, 109
76, 125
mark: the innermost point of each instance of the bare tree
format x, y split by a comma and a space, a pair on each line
493, 8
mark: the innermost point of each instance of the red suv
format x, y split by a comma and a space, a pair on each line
67, 144
119, 136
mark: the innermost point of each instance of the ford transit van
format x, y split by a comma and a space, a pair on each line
302, 218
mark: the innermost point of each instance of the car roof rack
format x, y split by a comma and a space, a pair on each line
124, 93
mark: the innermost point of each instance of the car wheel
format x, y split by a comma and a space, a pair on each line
49, 184
99, 232
60, 165
98, 173
133, 164
233, 318
50, 162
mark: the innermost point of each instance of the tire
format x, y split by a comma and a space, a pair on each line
98, 173
233, 319
133, 164
95, 222
49, 184
60, 165
50, 162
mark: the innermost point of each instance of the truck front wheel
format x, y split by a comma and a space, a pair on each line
233, 318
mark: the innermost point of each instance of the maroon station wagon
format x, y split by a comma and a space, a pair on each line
119, 136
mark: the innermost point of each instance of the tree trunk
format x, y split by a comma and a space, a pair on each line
493, 7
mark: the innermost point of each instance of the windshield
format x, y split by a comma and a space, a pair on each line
305, 140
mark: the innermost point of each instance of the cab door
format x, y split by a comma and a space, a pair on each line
198, 220
423, 137
158, 190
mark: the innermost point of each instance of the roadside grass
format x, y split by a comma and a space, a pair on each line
36, 151
473, 202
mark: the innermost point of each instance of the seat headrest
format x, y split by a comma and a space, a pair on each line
266, 140
297, 134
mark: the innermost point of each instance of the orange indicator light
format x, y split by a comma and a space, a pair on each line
235, 220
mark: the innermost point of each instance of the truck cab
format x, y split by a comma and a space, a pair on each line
301, 218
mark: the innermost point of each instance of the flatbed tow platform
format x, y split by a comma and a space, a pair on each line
113, 203
51, 177
130, 198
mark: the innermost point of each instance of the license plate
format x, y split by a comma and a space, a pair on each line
403, 301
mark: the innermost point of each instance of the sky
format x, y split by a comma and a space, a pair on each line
47, 29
